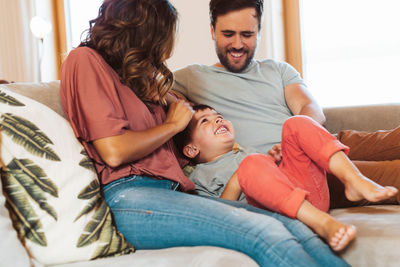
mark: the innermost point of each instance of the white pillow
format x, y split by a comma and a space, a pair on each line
51, 186
12, 253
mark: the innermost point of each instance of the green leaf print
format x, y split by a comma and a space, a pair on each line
34, 172
95, 225
27, 221
92, 203
31, 177
100, 227
111, 242
27, 134
6, 99
86, 162
90, 191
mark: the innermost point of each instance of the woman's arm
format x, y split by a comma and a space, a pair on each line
232, 189
131, 145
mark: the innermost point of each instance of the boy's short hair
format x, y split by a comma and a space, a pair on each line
222, 7
185, 137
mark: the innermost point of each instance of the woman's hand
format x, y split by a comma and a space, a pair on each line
276, 152
132, 145
179, 114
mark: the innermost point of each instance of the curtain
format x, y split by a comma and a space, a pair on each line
273, 29
18, 48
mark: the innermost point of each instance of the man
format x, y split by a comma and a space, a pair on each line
247, 92
257, 96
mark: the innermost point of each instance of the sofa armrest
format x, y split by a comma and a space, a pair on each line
363, 118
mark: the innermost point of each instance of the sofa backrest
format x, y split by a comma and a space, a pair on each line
369, 118
47, 93
362, 118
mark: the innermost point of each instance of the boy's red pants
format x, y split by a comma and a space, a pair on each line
306, 151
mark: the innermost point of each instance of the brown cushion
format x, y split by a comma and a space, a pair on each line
382, 172
377, 155
374, 146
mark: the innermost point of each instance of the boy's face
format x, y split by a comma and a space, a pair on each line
211, 134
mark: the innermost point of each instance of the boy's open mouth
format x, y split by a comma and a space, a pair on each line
221, 130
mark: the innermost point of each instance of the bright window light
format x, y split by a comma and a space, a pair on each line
352, 51
78, 14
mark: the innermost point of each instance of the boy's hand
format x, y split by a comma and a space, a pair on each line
232, 189
276, 152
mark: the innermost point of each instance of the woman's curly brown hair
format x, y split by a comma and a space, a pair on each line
136, 37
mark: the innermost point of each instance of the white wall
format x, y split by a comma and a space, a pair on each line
19, 50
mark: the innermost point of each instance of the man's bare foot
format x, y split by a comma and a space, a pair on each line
361, 187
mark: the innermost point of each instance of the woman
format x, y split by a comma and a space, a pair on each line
114, 90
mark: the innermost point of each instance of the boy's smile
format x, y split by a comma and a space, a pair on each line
212, 135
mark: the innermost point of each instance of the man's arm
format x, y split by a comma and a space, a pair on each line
301, 102
232, 189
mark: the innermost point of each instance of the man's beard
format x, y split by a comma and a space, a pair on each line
223, 58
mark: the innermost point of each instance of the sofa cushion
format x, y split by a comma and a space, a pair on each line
377, 156
51, 188
199, 256
378, 235
372, 146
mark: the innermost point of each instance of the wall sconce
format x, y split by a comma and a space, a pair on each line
40, 28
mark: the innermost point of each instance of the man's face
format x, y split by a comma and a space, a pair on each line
211, 133
236, 36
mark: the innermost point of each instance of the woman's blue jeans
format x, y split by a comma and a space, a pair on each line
152, 215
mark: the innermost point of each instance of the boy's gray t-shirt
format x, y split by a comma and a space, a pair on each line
211, 178
252, 100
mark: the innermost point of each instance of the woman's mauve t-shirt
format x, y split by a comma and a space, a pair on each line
98, 105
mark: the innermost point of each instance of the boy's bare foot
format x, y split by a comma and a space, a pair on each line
337, 234
357, 186
342, 237
363, 188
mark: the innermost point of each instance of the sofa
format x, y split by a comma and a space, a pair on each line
48, 174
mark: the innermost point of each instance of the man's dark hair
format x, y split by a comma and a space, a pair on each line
222, 7
185, 137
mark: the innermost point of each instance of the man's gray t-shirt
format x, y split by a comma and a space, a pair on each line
252, 100
211, 178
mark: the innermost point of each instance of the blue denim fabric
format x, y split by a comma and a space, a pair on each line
152, 215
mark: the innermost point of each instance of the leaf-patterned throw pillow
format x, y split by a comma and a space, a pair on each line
51, 188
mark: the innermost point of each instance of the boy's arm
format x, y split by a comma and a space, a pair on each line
232, 189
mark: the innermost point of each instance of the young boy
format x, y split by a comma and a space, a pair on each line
291, 180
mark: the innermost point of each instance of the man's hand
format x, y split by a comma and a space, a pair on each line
276, 152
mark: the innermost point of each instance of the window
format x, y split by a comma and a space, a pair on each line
77, 14
351, 51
